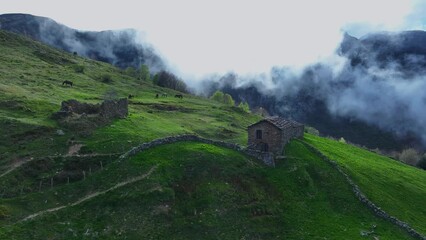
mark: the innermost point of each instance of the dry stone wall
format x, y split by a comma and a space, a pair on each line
108, 109
265, 157
361, 196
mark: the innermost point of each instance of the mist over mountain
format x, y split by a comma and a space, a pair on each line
371, 92
122, 48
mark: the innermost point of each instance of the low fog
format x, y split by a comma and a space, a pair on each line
288, 52
383, 87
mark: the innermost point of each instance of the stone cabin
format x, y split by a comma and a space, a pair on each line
273, 133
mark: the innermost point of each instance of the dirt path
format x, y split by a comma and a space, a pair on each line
93, 195
15, 165
74, 149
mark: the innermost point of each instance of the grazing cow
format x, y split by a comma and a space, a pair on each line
164, 94
131, 96
66, 82
156, 95
179, 96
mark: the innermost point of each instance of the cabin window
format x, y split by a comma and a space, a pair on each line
258, 134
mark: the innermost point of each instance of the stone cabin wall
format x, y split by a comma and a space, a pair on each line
299, 131
271, 135
292, 132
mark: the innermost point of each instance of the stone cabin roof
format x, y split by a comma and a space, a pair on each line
279, 122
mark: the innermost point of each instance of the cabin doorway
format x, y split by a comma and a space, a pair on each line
264, 147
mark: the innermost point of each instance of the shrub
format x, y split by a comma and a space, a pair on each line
144, 73
78, 68
4, 213
422, 163
110, 95
106, 78
217, 96
227, 99
130, 71
409, 156
312, 130
223, 98
168, 80
244, 106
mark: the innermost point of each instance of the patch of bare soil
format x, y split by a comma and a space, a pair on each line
74, 149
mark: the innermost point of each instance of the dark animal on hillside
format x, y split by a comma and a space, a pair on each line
164, 94
131, 96
156, 95
179, 96
66, 82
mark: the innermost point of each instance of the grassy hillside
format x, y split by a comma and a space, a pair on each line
31, 75
397, 188
184, 190
200, 191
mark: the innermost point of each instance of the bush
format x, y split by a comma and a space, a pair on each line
144, 73
130, 71
168, 80
422, 163
111, 94
312, 130
106, 78
223, 98
217, 96
4, 213
244, 106
78, 68
410, 156
227, 99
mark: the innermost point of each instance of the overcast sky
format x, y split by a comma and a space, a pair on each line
199, 37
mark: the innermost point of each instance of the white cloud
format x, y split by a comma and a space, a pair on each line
200, 37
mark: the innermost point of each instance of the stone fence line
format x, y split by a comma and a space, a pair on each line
265, 157
361, 196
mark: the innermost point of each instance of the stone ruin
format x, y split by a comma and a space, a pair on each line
83, 118
108, 109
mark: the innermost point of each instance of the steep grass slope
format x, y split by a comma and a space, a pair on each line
397, 188
31, 76
177, 191
199, 191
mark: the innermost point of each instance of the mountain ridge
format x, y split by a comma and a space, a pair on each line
118, 47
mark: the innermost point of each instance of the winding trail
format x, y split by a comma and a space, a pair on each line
25, 161
93, 195
16, 165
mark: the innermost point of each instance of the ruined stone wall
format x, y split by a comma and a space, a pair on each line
79, 108
108, 109
114, 108
271, 135
373, 207
265, 157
